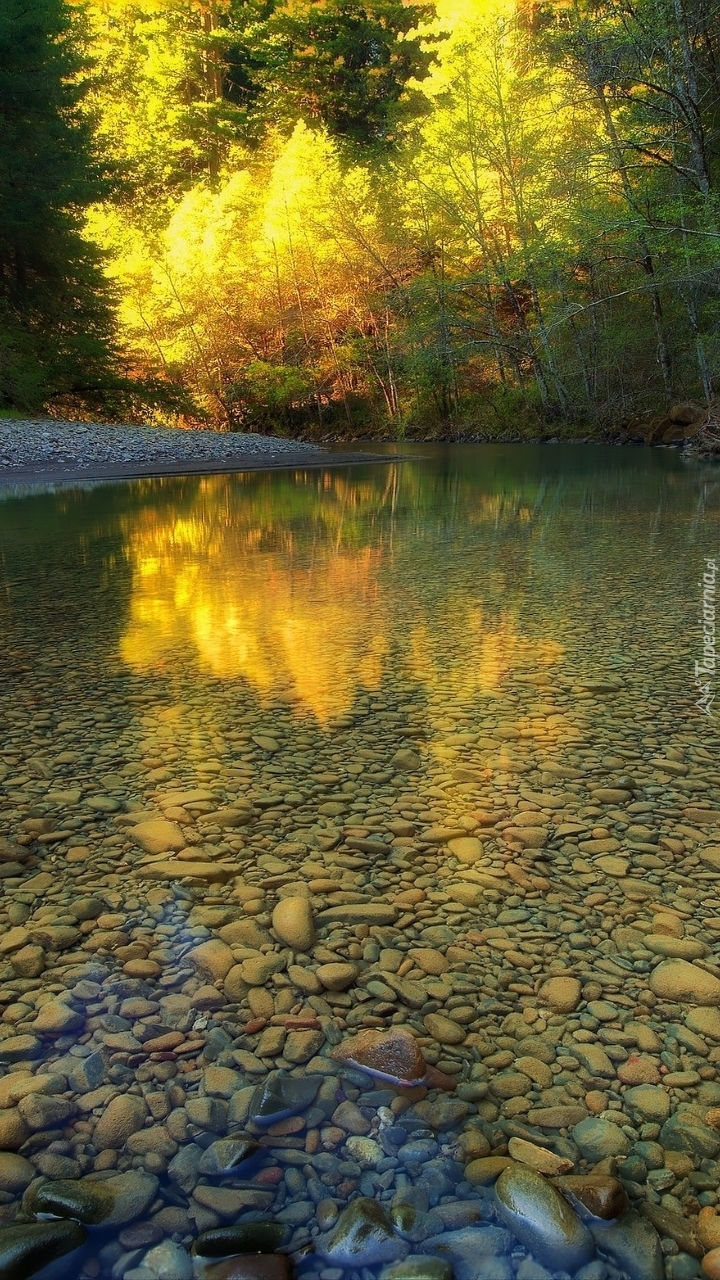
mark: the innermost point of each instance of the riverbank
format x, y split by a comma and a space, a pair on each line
49, 451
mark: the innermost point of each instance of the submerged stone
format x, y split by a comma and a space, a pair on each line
281, 1095
28, 1247
392, 1055
362, 1236
542, 1219
242, 1237
108, 1201
227, 1154
418, 1267
632, 1244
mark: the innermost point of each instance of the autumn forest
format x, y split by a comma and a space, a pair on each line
359, 217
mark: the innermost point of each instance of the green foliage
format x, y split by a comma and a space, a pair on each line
55, 303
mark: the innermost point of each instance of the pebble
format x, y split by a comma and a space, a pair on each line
362, 1236
542, 1219
293, 923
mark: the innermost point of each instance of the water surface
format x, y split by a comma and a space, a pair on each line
451, 702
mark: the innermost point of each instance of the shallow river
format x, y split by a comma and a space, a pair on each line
360, 873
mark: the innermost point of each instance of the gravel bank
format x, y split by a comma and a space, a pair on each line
47, 442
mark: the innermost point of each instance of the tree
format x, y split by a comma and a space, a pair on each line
347, 64
55, 302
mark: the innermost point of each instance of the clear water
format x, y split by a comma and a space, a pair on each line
523, 618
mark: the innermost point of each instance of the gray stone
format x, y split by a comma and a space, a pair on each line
362, 1236
632, 1244
596, 1139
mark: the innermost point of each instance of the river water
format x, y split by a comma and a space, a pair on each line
402, 767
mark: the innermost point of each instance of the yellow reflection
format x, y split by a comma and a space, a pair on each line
296, 590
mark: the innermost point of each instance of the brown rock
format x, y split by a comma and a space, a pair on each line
337, 977
561, 994
483, 1172
157, 835
252, 1266
604, 1197
538, 1157
13, 1130
392, 1055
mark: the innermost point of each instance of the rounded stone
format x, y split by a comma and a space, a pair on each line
213, 958
337, 977
562, 994
596, 1139
124, 1116
157, 835
140, 968
684, 983
542, 1219
467, 849
29, 1247
169, 1261
13, 1130
443, 1029
16, 1173
711, 1265
293, 923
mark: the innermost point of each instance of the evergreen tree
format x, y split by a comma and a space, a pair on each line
55, 306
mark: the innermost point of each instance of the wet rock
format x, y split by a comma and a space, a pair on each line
486, 1170
711, 1265
473, 1252
602, 1196
56, 1019
705, 1022
16, 1173
362, 1237
70, 1199
632, 1244
596, 1139
29, 962
111, 1201
169, 1261
418, 1267
19, 1048
685, 1131
242, 1237
281, 1095
648, 1103
213, 958
14, 1131
337, 977
123, 1116
443, 1029
560, 994
263, 1266
157, 835
675, 1226
293, 923
684, 983
226, 1155
42, 1112
392, 1055
407, 760
29, 1247
542, 1219
538, 1158
467, 849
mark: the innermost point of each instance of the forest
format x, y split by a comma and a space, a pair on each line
337, 218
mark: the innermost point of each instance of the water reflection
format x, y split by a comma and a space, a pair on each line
301, 596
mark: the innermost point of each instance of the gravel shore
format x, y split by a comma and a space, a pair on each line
48, 442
